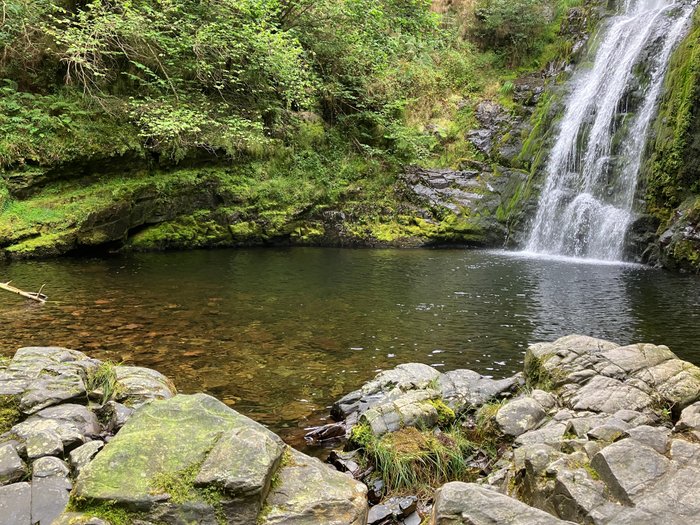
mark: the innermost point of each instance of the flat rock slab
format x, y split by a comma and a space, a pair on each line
470, 504
309, 493
73, 424
629, 468
16, 504
46, 376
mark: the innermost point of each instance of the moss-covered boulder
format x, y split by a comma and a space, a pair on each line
192, 459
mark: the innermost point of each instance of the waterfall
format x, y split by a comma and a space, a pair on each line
587, 201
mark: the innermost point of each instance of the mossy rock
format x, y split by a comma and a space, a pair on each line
188, 456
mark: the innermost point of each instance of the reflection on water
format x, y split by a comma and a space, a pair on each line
281, 333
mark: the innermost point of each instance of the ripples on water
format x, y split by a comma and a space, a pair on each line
281, 333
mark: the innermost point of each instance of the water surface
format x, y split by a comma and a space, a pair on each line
281, 333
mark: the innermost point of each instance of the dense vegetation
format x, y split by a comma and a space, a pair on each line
236, 76
292, 104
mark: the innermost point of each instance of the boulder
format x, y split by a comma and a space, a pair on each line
73, 424
462, 389
689, 420
390, 383
173, 454
12, 468
44, 443
45, 376
138, 385
629, 468
411, 409
50, 489
307, 492
81, 456
470, 504
519, 416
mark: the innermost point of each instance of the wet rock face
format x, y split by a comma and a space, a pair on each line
679, 243
462, 205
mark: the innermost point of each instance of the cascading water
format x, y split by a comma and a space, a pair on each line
586, 205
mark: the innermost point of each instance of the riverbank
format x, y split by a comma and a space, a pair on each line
590, 432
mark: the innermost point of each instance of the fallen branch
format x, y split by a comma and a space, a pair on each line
34, 296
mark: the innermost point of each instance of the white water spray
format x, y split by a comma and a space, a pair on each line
587, 202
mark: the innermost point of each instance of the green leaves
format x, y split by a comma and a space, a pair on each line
513, 26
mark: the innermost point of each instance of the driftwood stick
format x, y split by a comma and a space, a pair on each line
34, 296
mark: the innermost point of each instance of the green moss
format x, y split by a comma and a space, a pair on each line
10, 414
672, 171
179, 485
196, 230
108, 511
485, 419
446, 415
585, 465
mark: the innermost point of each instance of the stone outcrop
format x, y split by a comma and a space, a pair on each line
406, 395
592, 433
53, 424
130, 450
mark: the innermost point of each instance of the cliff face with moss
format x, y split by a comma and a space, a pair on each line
672, 174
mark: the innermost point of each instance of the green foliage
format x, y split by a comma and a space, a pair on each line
410, 460
54, 128
512, 26
103, 380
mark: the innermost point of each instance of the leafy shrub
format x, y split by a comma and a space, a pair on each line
514, 27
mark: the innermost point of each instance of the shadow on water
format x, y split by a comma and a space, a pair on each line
281, 333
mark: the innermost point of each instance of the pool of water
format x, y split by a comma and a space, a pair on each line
279, 334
